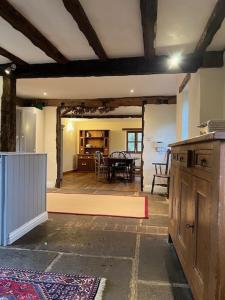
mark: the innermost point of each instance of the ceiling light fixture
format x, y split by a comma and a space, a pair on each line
131, 91
174, 60
9, 69
45, 94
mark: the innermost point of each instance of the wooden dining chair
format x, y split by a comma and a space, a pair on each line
162, 172
101, 166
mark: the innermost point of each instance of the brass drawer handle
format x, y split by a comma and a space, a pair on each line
84, 164
203, 162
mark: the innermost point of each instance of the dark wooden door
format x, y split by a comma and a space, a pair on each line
200, 255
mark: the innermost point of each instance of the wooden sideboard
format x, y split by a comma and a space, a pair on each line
197, 212
85, 163
91, 141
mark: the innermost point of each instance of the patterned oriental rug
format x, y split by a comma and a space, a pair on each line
29, 285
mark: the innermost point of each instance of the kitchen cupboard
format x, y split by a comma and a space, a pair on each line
197, 212
25, 130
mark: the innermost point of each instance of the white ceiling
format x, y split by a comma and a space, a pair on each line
117, 23
56, 23
180, 24
16, 43
218, 42
3, 60
97, 87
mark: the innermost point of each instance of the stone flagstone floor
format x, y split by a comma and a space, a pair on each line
132, 254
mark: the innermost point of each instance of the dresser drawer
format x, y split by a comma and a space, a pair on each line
174, 156
184, 158
203, 159
86, 164
86, 157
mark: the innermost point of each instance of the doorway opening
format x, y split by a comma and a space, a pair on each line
109, 133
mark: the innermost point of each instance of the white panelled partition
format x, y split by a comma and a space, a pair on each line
22, 194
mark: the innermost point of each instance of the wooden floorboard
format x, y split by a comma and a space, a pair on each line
81, 181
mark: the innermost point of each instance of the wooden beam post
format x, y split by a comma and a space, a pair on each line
58, 146
8, 115
143, 132
149, 18
119, 66
76, 10
213, 25
184, 82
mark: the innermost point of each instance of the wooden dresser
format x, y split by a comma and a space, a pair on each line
91, 141
197, 212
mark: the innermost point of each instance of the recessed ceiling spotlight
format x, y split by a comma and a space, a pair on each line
131, 91
174, 60
45, 94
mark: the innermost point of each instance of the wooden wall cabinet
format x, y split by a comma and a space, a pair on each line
91, 141
197, 213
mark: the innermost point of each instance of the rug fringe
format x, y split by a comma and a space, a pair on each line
101, 289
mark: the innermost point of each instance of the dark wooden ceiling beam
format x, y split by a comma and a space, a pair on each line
149, 18
102, 116
20, 23
112, 102
13, 58
119, 67
77, 12
184, 82
214, 23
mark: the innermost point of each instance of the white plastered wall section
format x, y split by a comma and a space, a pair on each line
206, 96
159, 125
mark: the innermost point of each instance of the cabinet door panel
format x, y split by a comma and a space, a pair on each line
201, 236
184, 215
174, 175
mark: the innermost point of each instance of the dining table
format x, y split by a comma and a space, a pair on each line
112, 162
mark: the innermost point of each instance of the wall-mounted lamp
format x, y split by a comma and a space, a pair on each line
10, 69
69, 127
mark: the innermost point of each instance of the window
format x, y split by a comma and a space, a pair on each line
134, 141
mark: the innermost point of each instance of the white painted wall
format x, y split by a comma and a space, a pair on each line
117, 136
69, 145
50, 144
159, 125
194, 105
206, 93
212, 93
